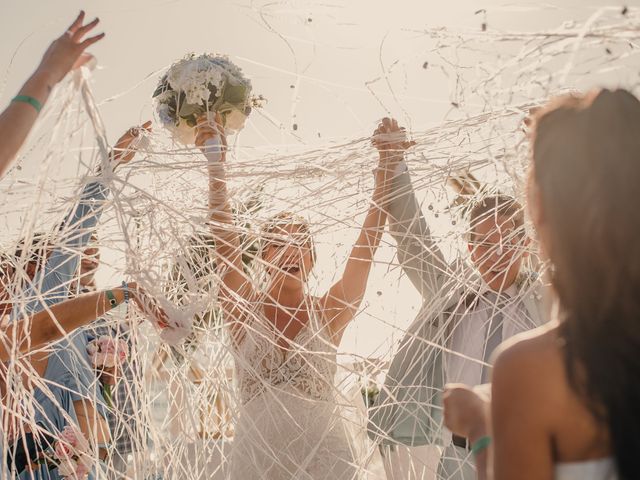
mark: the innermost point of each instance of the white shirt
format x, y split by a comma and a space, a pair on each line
465, 362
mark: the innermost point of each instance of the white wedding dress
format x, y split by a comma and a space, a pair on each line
290, 425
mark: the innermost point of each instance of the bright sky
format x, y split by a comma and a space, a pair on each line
321, 65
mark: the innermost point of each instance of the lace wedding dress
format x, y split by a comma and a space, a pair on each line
290, 424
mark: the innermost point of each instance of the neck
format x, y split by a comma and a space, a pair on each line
90, 285
287, 296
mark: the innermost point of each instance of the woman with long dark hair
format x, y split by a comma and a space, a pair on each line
566, 397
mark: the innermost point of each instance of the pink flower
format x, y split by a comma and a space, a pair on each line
83, 466
63, 450
71, 451
74, 438
107, 352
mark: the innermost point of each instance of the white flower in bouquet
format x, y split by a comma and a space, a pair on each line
203, 85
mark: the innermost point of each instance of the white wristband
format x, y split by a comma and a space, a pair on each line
394, 137
213, 150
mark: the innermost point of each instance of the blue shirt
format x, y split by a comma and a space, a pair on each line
69, 375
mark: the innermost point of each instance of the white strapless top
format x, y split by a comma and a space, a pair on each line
602, 469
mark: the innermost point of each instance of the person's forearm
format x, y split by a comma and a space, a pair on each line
19, 117
418, 254
373, 226
377, 214
219, 206
227, 242
482, 458
482, 466
76, 231
52, 323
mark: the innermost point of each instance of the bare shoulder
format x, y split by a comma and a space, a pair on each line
529, 370
539, 348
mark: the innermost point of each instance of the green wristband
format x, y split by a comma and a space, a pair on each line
112, 299
30, 100
480, 444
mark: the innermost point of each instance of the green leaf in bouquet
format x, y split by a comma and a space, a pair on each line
224, 107
235, 94
191, 120
215, 106
188, 109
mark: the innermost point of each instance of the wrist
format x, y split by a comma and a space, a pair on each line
386, 171
213, 150
38, 86
478, 432
113, 297
131, 287
480, 445
45, 77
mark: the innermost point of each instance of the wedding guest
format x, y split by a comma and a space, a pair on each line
565, 397
128, 434
65, 53
466, 314
71, 368
59, 319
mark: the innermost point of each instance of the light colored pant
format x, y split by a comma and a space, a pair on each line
410, 463
456, 464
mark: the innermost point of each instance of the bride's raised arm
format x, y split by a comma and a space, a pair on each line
236, 287
343, 299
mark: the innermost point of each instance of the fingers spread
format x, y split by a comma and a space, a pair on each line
80, 32
76, 23
91, 40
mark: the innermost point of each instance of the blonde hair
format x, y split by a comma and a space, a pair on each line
276, 224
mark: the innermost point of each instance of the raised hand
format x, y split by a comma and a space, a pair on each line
148, 306
389, 137
109, 375
122, 151
67, 52
465, 411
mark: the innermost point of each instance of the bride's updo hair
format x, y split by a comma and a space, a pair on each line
276, 225
586, 166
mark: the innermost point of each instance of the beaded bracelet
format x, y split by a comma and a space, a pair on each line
125, 287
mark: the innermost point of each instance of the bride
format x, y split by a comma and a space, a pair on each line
284, 339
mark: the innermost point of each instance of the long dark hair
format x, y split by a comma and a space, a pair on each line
586, 159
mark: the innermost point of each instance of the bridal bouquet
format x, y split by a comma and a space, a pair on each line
106, 353
203, 85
